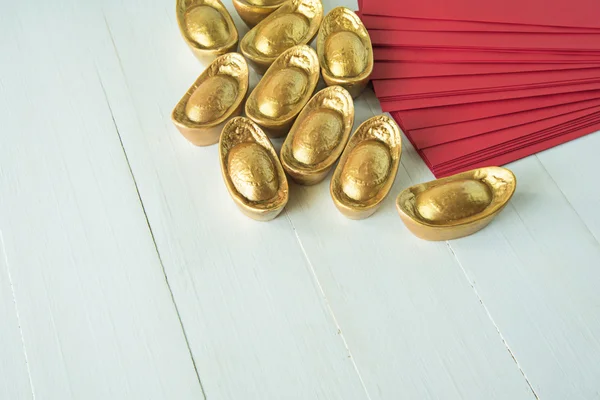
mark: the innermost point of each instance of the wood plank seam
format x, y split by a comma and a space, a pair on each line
492, 319
150, 231
370, 99
4, 255
327, 304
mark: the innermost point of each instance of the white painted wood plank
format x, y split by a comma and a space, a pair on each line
410, 318
96, 314
536, 269
255, 319
573, 167
14, 376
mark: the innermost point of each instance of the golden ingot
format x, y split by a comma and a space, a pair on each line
254, 11
367, 168
284, 90
295, 22
207, 28
458, 205
215, 96
345, 51
251, 170
318, 136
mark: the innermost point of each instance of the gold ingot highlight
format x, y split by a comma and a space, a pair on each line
251, 170
345, 51
296, 22
284, 90
458, 205
215, 96
254, 11
207, 28
367, 168
318, 136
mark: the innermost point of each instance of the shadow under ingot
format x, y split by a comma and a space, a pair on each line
318, 136
251, 170
295, 22
254, 11
284, 90
456, 206
207, 28
367, 168
215, 96
345, 51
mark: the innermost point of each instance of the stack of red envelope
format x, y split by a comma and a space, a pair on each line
475, 83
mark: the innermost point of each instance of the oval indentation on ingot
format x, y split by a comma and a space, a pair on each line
365, 170
318, 135
252, 171
453, 200
280, 34
345, 54
206, 26
281, 92
211, 99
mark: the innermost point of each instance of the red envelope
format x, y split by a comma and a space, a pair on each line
410, 104
428, 137
473, 83
509, 145
525, 151
447, 152
435, 136
521, 144
536, 137
419, 24
522, 141
436, 116
575, 42
467, 160
398, 70
450, 85
467, 56
582, 13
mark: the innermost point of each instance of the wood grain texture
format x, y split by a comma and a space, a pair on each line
405, 308
540, 285
536, 268
14, 375
256, 322
95, 312
308, 306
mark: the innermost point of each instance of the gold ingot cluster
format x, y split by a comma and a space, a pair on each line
317, 126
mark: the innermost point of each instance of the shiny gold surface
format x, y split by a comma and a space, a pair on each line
458, 205
251, 170
318, 136
367, 168
207, 28
345, 51
215, 96
254, 11
284, 90
295, 22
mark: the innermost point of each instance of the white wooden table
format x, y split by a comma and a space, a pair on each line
126, 271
